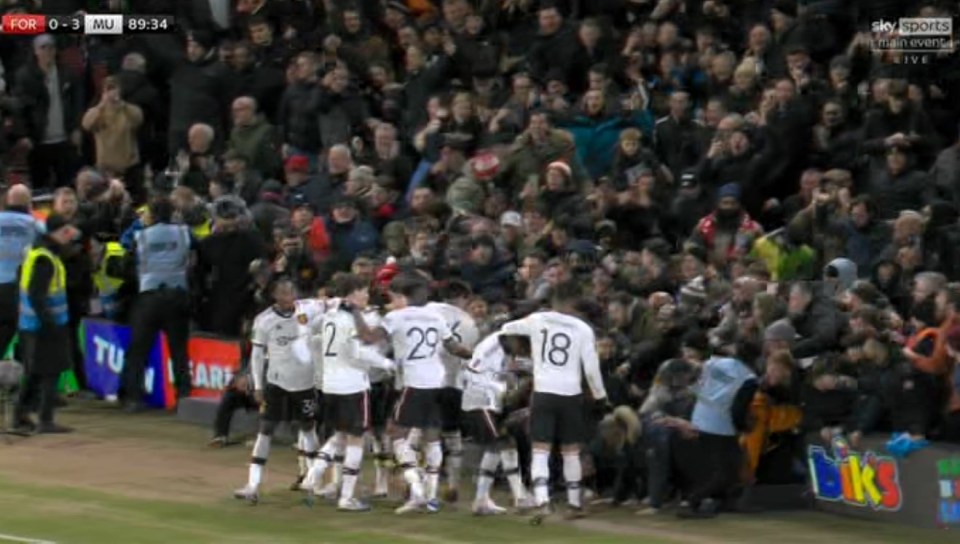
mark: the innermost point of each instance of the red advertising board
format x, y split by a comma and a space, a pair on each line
213, 362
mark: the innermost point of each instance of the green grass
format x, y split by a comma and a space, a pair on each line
67, 515
82, 512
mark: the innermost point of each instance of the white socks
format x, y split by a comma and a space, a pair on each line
407, 456
540, 474
454, 458
308, 444
381, 449
351, 470
511, 469
261, 451
433, 457
324, 459
488, 471
572, 475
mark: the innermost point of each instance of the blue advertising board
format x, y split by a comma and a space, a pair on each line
105, 347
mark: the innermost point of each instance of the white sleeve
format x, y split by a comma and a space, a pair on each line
369, 357
520, 327
259, 341
591, 367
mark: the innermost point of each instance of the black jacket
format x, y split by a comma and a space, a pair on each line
818, 329
199, 93
33, 100
558, 51
678, 143
297, 116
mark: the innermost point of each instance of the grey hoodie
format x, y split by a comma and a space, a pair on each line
846, 273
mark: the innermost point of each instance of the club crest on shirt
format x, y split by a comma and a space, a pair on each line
302, 319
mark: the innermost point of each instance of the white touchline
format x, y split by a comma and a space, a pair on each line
24, 540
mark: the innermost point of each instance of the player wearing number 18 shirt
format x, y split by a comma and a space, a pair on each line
417, 334
465, 332
564, 350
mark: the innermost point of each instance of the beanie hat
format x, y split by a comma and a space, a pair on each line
485, 166
297, 163
694, 293
780, 331
730, 190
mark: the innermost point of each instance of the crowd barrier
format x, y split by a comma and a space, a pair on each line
213, 362
922, 489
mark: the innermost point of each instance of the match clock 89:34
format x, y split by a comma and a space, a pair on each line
134, 24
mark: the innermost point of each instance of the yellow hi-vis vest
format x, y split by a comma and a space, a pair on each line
56, 294
107, 285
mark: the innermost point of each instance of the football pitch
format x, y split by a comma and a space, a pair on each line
150, 479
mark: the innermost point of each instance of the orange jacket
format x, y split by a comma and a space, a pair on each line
767, 418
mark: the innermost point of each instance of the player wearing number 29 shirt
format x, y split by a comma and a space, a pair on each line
564, 350
418, 335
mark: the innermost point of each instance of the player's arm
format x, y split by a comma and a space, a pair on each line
371, 358
258, 357
520, 327
367, 334
591, 367
456, 348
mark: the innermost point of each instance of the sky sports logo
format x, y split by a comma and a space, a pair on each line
914, 40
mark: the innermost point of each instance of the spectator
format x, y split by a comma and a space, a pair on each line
253, 138
350, 234
816, 321
729, 231
50, 105
199, 91
298, 111
114, 125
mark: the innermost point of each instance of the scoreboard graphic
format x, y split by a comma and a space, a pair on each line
26, 24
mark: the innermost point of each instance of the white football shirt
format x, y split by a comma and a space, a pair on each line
563, 349
273, 338
483, 383
417, 334
343, 372
465, 332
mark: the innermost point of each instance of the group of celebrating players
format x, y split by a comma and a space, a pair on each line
442, 376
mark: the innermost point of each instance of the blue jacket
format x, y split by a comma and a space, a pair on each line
350, 240
597, 139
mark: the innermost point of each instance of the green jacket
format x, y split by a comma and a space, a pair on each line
258, 144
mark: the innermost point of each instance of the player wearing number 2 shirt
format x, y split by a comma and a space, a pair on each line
564, 350
417, 334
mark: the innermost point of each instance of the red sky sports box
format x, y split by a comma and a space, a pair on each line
27, 24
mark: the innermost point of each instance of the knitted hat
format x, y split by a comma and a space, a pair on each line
780, 331
297, 163
694, 293
485, 166
730, 190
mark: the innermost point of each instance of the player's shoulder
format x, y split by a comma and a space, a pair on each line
264, 317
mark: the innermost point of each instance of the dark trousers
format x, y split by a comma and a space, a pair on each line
656, 441
721, 457
231, 401
161, 310
40, 385
49, 161
9, 313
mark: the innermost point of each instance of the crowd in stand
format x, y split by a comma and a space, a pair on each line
749, 178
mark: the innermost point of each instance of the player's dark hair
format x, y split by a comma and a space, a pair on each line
455, 290
278, 280
348, 284
567, 293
